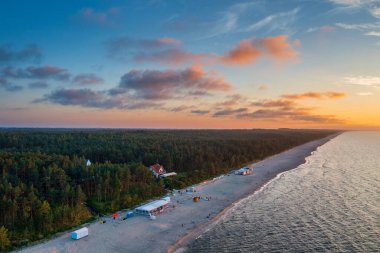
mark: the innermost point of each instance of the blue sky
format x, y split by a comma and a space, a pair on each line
130, 61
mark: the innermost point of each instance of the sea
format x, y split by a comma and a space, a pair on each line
329, 204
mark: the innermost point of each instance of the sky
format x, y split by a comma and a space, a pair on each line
190, 64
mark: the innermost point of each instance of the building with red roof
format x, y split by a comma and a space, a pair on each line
157, 170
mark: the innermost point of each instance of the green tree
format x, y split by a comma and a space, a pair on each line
45, 217
4, 241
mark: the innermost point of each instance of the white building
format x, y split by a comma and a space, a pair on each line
88, 163
154, 207
169, 174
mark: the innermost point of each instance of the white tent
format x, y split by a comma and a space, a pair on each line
153, 207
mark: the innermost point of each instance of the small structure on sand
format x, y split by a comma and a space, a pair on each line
244, 171
80, 233
153, 208
191, 189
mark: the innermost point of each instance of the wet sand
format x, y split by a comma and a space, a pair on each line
178, 225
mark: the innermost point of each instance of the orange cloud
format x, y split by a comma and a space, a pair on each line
170, 51
278, 47
169, 41
243, 53
316, 95
249, 50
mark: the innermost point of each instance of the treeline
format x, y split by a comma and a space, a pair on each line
46, 186
45, 193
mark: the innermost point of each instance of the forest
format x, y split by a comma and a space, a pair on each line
46, 186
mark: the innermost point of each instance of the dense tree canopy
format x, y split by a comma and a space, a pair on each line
46, 186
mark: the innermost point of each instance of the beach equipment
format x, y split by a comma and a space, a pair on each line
244, 171
80, 233
191, 189
130, 215
115, 215
196, 199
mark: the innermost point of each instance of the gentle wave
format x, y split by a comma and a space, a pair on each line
329, 203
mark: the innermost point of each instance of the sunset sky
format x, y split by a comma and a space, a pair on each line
190, 64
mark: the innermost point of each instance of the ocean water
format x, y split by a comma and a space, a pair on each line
329, 204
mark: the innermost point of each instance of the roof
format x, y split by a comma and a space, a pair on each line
153, 205
85, 229
159, 169
169, 174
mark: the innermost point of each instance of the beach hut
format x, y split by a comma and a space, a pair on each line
80, 233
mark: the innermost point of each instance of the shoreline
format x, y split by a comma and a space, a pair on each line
173, 230
180, 246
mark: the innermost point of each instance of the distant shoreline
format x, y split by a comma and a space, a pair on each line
173, 230
181, 245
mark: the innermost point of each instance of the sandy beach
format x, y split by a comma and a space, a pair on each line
178, 225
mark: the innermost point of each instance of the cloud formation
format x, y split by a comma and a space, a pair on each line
316, 95
232, 100
87, 79
38, 85
281, 21
122, 48
154, 84
363, 80
170, 51
172, 56
82, 97
285, 108
228, 112
200, 112
249, 50
95, 99
368, 5
29, 53
274, 103
290, 114
4, 84
244, 52
373, 33
99, 17
44, 72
